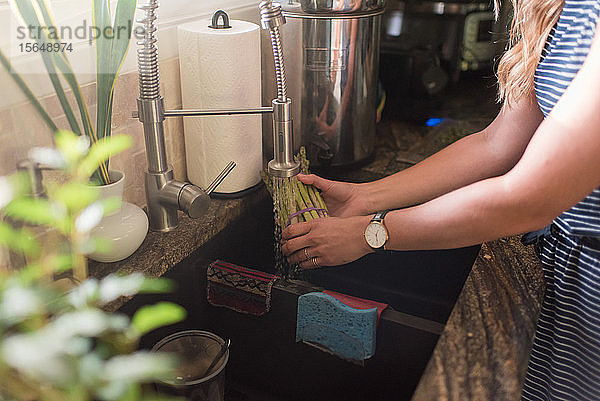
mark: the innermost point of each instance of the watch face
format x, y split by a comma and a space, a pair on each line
376, 235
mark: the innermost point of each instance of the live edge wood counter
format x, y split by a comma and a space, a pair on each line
484, 349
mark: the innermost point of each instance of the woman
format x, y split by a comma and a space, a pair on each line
536, 165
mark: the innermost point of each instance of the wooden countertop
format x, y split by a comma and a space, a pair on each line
484, 349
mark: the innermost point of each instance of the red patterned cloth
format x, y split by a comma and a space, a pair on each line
239, 288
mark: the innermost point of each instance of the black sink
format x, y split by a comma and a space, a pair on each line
421, 287
424, 284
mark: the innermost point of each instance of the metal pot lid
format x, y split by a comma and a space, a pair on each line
332, 7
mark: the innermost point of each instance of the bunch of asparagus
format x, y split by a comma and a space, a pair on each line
295, 201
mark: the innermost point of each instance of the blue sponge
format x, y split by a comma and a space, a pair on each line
344, 331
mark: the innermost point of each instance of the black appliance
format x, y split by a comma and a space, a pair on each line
425, 45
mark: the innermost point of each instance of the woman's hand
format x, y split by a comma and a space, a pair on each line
326, 242
342, 198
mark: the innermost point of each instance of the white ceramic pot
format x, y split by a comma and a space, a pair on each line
125, 228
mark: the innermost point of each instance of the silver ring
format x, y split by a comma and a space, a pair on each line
315, 263
306, 253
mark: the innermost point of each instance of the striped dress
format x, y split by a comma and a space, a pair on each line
565, 360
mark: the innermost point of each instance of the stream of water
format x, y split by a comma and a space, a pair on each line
283, 205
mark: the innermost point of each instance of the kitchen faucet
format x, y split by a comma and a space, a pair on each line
164, 195
34, 173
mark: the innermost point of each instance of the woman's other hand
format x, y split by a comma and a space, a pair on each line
342, 198
326, 242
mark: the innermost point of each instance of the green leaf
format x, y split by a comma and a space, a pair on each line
64, 66
33, 19
53, 263
6, 233
133, 393
75, 196
99, 245
101, 19
139, 366
65, 139
72, 147
124, 21
113, 390
84, 294
110, 55
18, 240
114, 286
111, 204
30, 273
156, 285
103, 150
161, 314
161, 397
34, 211
21, 184
61, 263
20, 303
27, 92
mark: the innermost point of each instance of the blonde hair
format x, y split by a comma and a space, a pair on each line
532, 22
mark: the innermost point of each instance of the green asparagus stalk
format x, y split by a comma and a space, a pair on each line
291, 195
314, 193
306, 201
287, 196
303, 160
301, 205
316, 200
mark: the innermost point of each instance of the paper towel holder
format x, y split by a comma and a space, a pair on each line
215, 20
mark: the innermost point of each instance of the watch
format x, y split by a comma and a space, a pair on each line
376, 234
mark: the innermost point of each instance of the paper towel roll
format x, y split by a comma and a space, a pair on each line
220, 69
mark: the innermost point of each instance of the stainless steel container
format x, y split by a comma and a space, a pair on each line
331, 53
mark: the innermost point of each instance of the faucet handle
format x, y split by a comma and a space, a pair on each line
193, 200
34, 172
222, 175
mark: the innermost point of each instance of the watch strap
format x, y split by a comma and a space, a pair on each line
379, 216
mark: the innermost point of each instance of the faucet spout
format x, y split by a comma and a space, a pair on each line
283, 164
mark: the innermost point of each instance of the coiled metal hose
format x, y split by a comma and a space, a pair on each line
148, 53
271, 17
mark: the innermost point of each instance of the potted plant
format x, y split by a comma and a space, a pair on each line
62, 346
